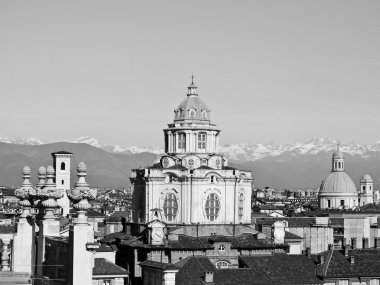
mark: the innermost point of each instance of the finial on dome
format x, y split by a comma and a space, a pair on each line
192, 89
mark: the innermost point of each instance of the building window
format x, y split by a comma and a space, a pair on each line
204, 114
182, 141
222, 248
62, 182
170, 207
363, 187
107, 282
212, 207
201, 141
63, 166
328, 203
192, 113
222, 264
241, 206
342, 202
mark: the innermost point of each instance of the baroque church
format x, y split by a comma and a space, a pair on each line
192, 182
338, 190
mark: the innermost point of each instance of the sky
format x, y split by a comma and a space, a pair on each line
280, 71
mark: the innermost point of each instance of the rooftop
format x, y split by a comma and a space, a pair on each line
104, 267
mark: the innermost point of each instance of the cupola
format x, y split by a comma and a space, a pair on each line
337, 161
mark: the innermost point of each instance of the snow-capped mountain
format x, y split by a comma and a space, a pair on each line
254, 152
243, 151
24, 141
115, 148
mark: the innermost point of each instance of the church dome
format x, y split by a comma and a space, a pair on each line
365, 178
338, 154
192, 107
338, 182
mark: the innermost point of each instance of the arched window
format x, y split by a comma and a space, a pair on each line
212, 207
63, 166
241, 206
181, 141
222, 264
170, 207
62, 182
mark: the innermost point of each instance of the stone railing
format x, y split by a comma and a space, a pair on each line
6, 257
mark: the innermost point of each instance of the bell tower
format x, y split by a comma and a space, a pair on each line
366, 190
62, 162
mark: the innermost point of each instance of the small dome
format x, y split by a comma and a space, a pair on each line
42, 170
82, 167
192, 108
338, 154
50, 170
366, 177
338, 182
26, 170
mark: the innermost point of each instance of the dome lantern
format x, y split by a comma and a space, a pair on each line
337, 161
192, 89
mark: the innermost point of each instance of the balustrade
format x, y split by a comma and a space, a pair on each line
6, 252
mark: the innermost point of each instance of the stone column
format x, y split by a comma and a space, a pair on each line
217, 143
170, 142
208, 143
49, 225
188, 143
81, 233
23, 255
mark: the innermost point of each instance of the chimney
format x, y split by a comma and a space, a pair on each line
346, 249
365, 243
377, 243
209, 277
353, 243
321, 259
308, 252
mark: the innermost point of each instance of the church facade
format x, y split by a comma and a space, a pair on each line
192, 182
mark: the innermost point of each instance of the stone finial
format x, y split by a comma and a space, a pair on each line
49, 194
81, 194
26, 192
41, 177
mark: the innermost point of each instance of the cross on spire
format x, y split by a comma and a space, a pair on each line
192, 78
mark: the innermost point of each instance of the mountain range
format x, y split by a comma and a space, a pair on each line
299, 165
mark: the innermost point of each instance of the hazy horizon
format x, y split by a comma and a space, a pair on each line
282, 71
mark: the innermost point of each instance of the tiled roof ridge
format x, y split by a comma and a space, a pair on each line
327, 263
200, 264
